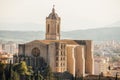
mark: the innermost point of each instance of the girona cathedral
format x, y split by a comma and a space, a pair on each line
74, 56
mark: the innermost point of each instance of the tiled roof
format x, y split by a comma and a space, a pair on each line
59, 41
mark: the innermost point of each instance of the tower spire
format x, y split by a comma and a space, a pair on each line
53, 10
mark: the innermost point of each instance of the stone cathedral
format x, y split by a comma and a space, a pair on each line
74, 56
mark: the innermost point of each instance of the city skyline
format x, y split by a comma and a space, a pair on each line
30, 15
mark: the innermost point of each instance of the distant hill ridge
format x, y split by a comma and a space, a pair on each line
99, 34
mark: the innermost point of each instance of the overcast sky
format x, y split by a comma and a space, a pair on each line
75, 14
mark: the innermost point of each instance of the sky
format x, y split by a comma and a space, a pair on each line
75, 14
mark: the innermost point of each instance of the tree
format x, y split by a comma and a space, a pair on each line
116, 78
2, 71
38, 76
2, 67
10, 71
99, 77
3, 76
10, 74
23, 70
49, 74
15, 76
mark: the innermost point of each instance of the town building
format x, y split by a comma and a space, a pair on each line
5, 57
101, 65
10, 47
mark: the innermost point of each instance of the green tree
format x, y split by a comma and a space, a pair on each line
2, 71
116, 78
23, 70
10, 74
15, 76
99, 77
10, 71
2, 67
49, 74
39, 76
3, 76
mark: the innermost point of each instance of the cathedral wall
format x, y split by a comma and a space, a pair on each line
80, 61
70, 59
57, 57
21, 49
40, 46
88, 50
89, 57
51, 56
61, 58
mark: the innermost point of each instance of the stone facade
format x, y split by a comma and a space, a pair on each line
74, 56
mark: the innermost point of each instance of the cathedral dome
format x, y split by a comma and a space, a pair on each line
53, 15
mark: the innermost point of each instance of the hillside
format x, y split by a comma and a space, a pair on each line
99, 34
21, 35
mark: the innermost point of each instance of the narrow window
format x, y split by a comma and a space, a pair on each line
48, 28
61, 53
56, 54
61, 58
56, 64
61, 64
58, 28
56, 58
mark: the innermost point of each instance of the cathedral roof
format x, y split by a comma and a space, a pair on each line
71, 42
53, 15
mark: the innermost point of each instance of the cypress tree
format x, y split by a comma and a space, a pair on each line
99, 77
3, 76
116, 77
10, 71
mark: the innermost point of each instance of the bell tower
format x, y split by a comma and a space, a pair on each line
53, 26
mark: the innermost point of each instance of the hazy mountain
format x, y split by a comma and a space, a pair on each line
21, 26
21, 35
99, 34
